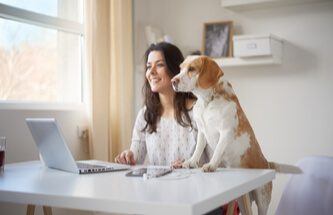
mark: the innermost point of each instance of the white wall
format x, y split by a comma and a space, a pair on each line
290, 106
20, 145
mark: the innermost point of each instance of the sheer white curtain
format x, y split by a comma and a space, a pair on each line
110, 65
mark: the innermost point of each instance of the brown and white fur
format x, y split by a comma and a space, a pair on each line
222, 125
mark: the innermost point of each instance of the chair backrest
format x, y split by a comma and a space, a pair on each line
310, 192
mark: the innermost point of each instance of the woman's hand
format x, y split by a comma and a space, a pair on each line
177, 164
126, 157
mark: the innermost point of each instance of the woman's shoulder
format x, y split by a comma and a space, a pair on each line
140, 118
141, 112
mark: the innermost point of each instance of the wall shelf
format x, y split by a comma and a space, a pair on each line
255, 61
258, 4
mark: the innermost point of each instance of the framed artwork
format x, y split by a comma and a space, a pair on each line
217, 39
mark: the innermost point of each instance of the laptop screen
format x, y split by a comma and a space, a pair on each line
51, 144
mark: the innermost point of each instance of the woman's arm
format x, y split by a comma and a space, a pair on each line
138, 146
137, 152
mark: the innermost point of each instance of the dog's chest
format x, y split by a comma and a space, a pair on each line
206, 115
216, 118
209, 118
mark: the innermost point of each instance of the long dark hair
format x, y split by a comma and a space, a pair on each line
173, 58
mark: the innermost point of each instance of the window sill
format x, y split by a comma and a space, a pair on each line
42, 106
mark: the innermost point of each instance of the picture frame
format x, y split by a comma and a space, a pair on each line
217, 39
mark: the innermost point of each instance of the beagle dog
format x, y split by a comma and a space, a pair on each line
222, 125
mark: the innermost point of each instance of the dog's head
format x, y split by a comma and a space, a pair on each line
197, 72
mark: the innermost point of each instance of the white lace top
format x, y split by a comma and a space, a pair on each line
170, 142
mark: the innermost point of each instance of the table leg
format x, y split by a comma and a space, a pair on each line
247, 204
47, 210
31, 209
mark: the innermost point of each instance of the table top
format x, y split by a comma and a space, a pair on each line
183, 191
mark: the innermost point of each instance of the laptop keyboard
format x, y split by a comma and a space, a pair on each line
90, 166
94, 168
85, 167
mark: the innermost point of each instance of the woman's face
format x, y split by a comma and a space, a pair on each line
157, 73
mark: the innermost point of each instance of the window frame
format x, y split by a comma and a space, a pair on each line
29, 17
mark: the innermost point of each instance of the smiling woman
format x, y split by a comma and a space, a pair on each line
163, 63
157, 73
164, 130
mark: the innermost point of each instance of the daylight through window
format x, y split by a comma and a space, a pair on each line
41, 50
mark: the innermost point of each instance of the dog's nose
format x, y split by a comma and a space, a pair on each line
174, 83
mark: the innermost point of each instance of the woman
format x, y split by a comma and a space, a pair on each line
164, 130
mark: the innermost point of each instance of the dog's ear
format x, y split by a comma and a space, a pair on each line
209, 74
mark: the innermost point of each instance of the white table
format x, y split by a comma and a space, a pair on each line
195, 193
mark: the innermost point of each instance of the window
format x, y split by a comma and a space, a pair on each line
41, 51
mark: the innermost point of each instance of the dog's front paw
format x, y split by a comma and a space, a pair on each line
208, 167
190, 164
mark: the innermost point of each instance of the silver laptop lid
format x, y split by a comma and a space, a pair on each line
51, 144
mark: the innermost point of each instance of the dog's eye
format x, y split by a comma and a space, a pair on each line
191, 69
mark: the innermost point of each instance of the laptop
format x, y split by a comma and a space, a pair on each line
55, 153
